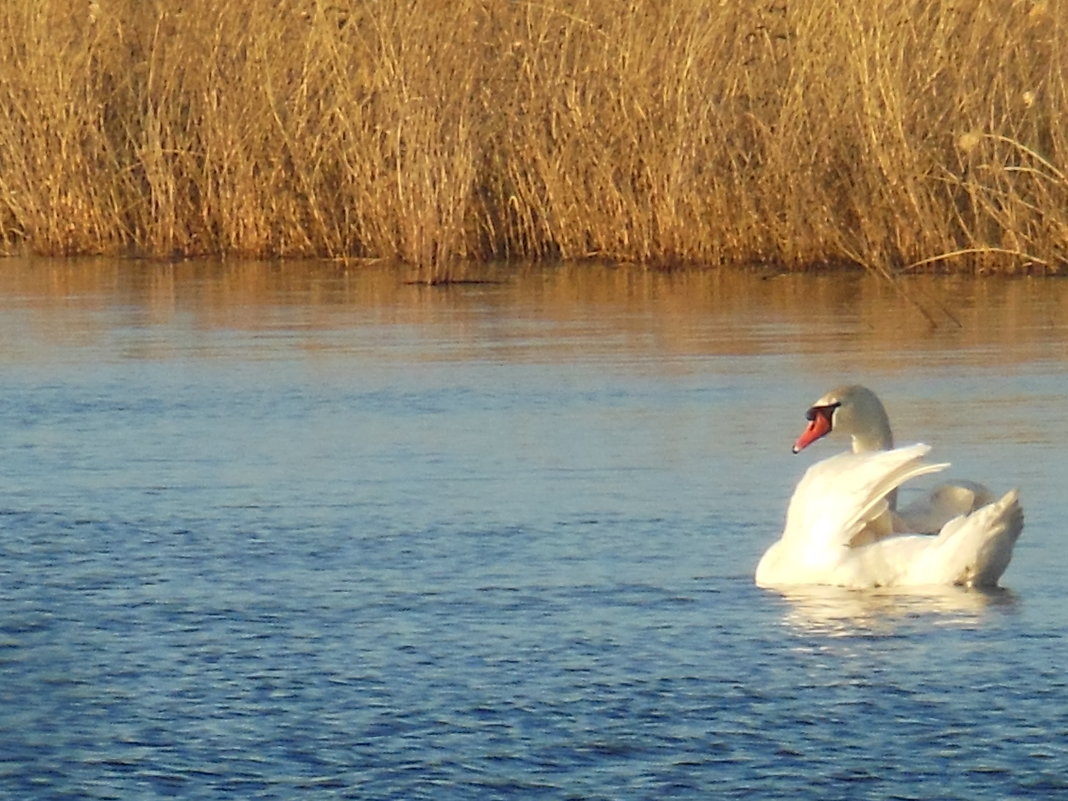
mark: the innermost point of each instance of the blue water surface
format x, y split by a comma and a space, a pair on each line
460, 544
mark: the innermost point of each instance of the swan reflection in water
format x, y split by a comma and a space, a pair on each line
840, 611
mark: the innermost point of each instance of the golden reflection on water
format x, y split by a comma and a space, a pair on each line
697, 311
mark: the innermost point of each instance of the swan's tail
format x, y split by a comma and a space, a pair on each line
975, 549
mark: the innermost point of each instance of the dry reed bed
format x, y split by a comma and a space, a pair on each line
884, 133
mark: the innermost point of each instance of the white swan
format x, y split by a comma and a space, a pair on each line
841, 529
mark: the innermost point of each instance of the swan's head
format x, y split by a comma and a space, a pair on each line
852, 410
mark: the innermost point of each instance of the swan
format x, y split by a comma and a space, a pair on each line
856, 411
841, 528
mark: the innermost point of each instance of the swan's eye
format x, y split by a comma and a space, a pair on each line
825, 411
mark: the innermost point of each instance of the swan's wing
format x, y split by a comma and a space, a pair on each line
971, 550
837, 502
838, 497
929, 513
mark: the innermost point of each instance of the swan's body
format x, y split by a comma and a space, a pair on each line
842, 527
838, 530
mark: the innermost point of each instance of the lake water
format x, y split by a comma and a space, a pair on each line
276, 532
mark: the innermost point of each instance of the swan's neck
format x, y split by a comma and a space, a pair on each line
869, 425
878, 438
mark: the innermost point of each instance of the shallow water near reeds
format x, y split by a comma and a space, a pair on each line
275, 532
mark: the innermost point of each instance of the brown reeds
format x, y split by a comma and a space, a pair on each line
922, 134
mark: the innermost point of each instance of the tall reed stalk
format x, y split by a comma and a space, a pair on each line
893, 134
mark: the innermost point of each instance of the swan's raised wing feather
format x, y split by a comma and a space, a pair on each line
838, 497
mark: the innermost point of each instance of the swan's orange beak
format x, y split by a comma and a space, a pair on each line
819, 425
